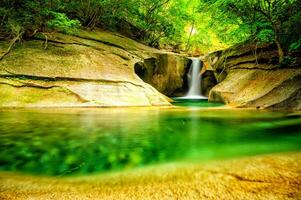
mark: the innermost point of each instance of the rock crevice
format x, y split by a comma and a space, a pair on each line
87, 69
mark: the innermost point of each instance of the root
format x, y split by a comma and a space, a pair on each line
11, 45
46, 40
34, 33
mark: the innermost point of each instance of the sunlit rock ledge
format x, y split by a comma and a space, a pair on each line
87, 69
249, 76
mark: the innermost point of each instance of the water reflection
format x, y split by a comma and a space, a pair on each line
65, 142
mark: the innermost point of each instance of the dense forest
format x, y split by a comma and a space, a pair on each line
183, 25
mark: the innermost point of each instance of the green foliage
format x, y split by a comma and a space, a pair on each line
183, 24
288, 61
14, 28
262, 20
295, 45
35, 16
163, 19
265, 35
62, 23
154, 22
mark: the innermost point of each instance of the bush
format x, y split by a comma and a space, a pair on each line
62, 23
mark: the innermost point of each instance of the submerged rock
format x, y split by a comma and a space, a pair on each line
251, 77
87, 69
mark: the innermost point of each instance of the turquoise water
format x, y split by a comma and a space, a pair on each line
83, 141
195, 103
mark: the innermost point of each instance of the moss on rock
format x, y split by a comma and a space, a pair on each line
95, 67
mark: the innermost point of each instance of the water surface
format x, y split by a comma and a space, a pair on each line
82, 141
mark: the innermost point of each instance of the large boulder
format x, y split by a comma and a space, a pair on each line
165, 71
253, 78
86, 69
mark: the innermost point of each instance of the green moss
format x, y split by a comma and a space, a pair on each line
61, 50
29, 96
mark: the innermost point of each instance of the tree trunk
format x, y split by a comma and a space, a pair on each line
190, 34
277, 30
280, 51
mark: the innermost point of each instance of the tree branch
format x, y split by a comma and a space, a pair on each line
12, 43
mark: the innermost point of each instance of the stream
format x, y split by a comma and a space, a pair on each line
63, 142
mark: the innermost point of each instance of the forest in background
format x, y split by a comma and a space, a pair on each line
179, 25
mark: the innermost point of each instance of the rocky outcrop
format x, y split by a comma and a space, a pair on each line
165, 71
208, 81
249, 76
168, 74
86, 69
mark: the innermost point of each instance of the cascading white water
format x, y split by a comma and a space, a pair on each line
195, 78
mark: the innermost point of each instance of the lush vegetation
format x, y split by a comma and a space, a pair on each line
180, 24
145, 20
272, 21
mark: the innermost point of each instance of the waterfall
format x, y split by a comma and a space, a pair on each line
194, 80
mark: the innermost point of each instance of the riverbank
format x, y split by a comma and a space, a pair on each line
275, 176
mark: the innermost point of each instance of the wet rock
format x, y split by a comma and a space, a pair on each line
166, 72
208, 82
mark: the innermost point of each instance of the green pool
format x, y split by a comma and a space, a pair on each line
65, 142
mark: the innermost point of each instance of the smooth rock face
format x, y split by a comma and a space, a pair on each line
256, 81
208, 82
166, 72
89, 69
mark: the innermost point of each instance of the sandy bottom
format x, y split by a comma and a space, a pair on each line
276, 176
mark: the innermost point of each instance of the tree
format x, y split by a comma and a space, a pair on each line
262, 20
161, 23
